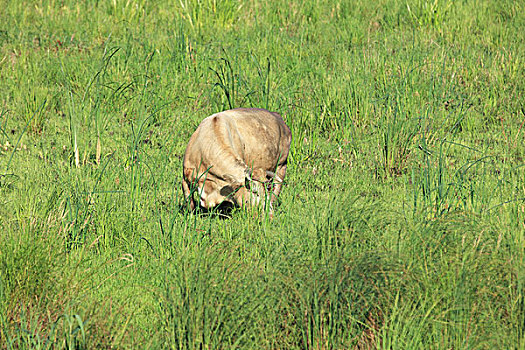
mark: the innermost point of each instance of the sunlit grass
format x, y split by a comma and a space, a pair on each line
402, 222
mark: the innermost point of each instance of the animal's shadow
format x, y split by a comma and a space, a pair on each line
223, 211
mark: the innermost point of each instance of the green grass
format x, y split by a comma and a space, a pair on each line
402, 223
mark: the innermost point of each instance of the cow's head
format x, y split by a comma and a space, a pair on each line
254, 190
251, 189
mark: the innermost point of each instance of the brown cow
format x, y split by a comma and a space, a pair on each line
235, 156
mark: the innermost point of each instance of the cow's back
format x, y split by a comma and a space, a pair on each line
264, 137
256, 137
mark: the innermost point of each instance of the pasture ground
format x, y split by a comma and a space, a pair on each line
402, 224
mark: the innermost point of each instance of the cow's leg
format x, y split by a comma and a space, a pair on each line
186, 188
277, 184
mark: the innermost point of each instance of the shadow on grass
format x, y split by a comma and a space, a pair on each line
222, 211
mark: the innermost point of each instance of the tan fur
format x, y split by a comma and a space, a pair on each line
231, 146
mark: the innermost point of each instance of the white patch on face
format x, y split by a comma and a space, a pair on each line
202, 196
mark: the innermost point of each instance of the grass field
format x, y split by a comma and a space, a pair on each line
402, 224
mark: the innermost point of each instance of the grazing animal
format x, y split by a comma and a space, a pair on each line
238, 156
